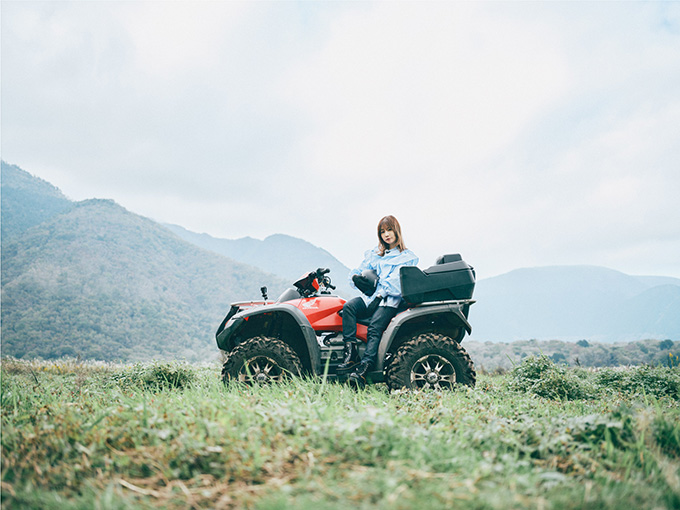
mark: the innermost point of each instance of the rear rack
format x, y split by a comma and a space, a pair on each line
446, 302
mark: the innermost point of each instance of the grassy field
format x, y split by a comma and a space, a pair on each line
78, 435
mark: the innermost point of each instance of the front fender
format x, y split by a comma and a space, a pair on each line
282, 321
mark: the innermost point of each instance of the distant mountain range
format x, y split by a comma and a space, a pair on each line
279, 254
576, 302
93, 279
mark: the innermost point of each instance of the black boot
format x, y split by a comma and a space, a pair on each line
358, 377
350, 357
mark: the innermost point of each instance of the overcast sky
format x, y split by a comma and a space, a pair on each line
518, 134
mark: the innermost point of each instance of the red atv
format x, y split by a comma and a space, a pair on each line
301, 332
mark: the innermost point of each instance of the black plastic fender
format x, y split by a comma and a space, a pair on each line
453, 309
240, 320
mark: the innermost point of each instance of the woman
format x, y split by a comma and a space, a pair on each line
382, 303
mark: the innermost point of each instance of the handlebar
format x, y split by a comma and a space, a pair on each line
324, 280
310, 282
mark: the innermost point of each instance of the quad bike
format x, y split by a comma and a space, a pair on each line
301, 332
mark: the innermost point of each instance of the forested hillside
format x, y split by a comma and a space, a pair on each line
27, 201
101, 282
491, 356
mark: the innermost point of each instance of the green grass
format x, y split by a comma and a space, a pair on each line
78, 435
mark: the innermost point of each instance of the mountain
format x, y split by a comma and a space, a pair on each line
654, 313
575, 302
282, 255
27, 201
99, 281
93, 279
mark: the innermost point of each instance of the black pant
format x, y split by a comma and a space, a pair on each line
356, 309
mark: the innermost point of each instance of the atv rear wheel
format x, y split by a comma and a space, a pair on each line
431, 361
261, 360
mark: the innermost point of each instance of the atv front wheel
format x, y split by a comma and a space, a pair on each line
261, 360
431, 361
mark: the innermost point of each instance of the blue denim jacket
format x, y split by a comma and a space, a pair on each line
387, 267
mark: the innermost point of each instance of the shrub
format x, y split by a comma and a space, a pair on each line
610, 378
532, 368
657, 381
157, 376
541, 376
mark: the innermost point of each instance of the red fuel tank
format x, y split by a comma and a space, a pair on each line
322, 313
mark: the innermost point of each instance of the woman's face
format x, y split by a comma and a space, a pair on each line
389, 237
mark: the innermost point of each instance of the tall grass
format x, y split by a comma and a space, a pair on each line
173, 436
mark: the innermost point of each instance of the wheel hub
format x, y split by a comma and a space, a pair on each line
432, 377
433, 371
260, 370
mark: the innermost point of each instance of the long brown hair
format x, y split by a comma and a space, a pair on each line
390, 223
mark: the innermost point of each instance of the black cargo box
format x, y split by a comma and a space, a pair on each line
451, 278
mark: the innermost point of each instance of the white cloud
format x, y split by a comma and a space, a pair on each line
517, 133
433, 88
179, 38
